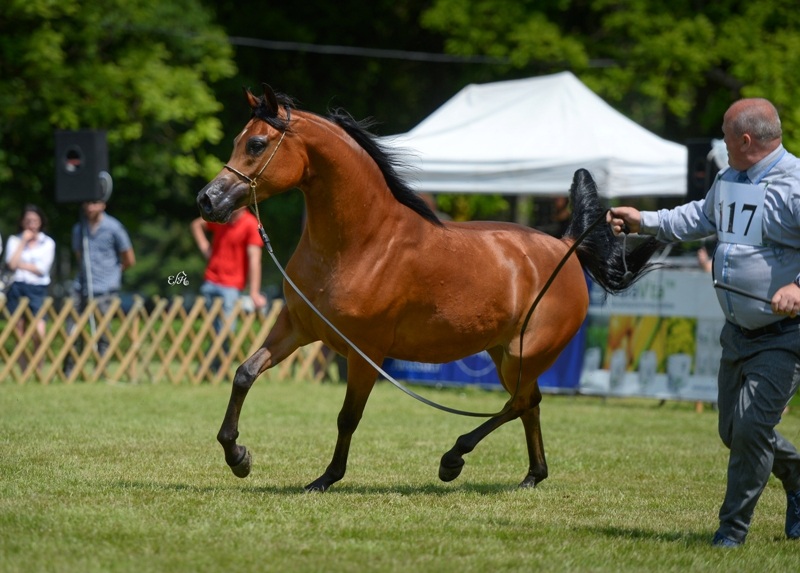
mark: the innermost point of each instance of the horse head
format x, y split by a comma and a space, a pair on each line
255, 170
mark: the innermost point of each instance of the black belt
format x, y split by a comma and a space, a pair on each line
775, 328
99, 294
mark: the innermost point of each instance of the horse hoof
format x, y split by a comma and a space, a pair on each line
242, 469
450, 469
316, 486
532, 480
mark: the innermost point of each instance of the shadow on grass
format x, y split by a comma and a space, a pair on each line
687, 538
432, 489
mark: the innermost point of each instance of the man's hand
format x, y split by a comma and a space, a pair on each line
786, 301
624, 220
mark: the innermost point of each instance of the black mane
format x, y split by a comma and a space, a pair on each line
359, 130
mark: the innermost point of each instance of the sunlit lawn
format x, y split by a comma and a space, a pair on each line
130, 478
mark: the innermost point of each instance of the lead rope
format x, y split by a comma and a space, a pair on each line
265, 239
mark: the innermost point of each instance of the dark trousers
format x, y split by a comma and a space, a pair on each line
759, 373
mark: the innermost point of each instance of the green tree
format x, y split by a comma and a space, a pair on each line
143, 71
397, 92
673, 66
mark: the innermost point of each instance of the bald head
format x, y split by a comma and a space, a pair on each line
756, 116
752, 130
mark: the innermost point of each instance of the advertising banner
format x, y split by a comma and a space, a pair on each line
478, 370
660, 339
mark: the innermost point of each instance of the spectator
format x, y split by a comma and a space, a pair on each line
234, 260
754, 208
30, 255
103, 250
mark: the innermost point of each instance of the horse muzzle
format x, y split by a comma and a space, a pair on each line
217, 201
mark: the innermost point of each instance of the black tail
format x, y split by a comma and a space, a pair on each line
600, 252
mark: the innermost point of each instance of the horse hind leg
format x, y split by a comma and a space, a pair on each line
524, 405
537, 464
537, 470
452, 461
528, 397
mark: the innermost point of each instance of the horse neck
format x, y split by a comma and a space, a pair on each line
346, 195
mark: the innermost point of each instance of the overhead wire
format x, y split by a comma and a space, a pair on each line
334, 50
362, 52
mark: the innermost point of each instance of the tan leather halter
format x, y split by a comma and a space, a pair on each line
252, 180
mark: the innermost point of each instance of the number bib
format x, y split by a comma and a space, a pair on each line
740, 210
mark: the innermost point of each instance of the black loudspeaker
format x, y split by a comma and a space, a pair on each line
701, 171
82, 166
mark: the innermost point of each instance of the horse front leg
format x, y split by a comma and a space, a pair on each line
279, 344
360, 380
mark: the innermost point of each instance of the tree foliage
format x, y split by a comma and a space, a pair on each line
140, 70
673, 66
396, 92
164, 79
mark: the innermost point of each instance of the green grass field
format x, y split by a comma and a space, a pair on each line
105, 478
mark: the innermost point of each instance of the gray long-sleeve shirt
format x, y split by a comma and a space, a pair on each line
757, 223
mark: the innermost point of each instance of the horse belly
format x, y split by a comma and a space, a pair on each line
450, 332
464, 321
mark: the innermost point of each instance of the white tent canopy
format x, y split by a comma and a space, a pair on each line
527, 137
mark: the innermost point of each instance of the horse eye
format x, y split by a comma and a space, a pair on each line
256, 145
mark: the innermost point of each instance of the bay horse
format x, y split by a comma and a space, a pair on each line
399, 282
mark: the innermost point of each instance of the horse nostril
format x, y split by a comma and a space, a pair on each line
204, 203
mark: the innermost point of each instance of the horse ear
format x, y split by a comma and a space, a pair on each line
252, 101
269, 97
